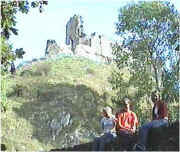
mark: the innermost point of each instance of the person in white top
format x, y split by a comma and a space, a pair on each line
108, 126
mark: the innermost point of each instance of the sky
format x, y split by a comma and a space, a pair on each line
34, 28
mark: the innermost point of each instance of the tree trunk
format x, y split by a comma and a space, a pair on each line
156, 77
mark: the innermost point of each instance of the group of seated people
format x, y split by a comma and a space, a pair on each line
125, 122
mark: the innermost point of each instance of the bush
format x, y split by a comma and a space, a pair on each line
42, 69
18, 90
173, 109
26, 73
90, 71
4, 101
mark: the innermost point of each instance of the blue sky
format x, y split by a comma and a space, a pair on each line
36, 28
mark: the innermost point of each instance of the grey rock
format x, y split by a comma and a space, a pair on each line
74, 31
52, 49
56, 125
65, 120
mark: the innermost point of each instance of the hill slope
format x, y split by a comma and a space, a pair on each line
55, 104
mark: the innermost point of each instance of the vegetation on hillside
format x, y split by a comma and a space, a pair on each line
40, 94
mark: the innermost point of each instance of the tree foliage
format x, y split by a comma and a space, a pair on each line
150, 32
9, 10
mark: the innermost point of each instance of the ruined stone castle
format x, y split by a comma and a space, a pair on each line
80, 44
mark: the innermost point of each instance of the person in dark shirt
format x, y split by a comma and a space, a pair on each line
127, 120
159, 119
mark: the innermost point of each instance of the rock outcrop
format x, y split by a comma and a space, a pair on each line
51, 48
75, 36
74, 31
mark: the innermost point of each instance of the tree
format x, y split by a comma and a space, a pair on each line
150, 32
9, 10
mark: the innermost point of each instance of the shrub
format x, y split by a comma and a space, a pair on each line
90, 71
42, 69
173, 110
4, 101
19, 90
26, 73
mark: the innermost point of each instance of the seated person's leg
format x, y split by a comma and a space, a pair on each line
144, 130
95, 145
143, 134
124, 137
106, 138
159, 123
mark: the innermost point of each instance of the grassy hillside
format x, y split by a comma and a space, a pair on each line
55, 104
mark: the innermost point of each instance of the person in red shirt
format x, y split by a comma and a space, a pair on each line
126, 120
126, 124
